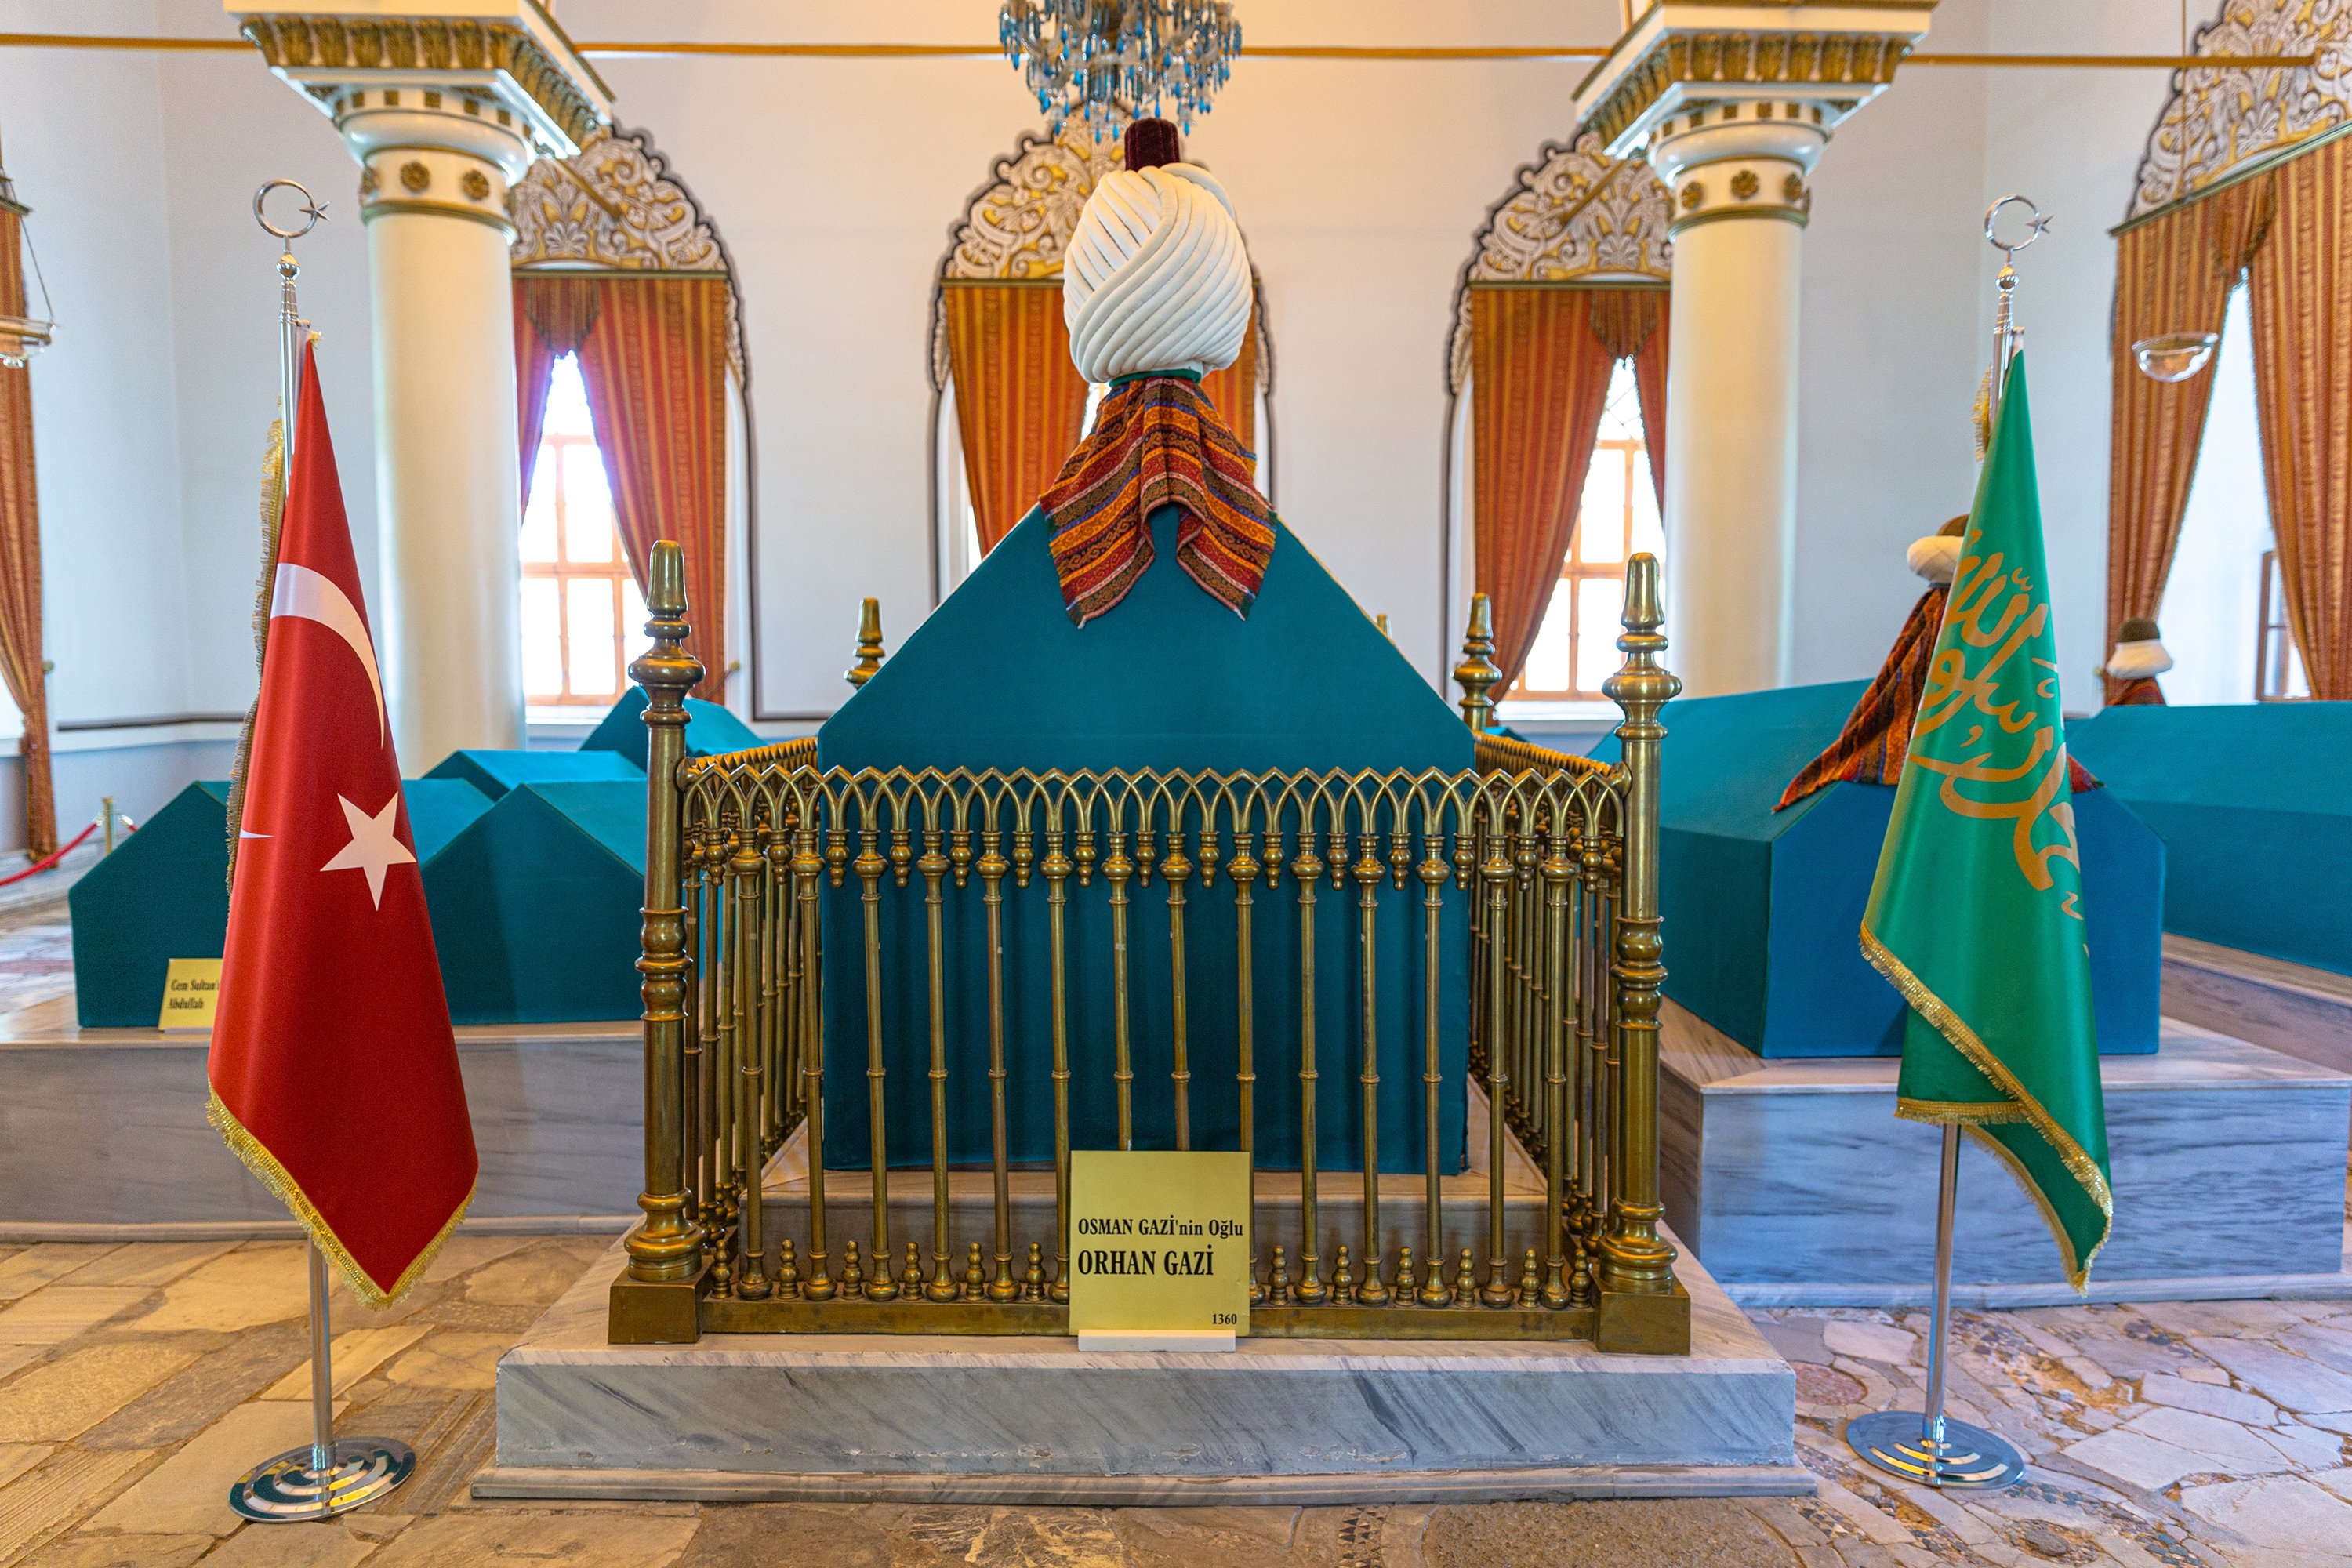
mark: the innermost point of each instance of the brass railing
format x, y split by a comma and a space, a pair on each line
1538, 868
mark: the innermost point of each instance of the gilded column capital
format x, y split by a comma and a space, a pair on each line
1739, 79
443, 110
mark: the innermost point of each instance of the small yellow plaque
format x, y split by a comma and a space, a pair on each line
1160, 1240
191, 987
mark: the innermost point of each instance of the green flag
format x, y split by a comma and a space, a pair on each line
1977, 912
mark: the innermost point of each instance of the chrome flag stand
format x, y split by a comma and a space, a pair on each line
1928, 1446
327, 1475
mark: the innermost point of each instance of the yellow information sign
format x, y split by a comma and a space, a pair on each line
1160, 1240
191, 987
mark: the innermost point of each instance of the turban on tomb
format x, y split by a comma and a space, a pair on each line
1156, 277
1156, 291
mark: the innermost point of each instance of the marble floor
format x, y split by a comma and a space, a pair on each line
137, 1381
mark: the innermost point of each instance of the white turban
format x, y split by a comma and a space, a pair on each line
1936, 557
1155, 278
2136, 660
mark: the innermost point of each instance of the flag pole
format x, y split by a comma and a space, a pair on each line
329, 1476
1929, 1447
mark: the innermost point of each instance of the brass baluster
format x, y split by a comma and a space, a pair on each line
1498, 874
1369, 872
934, 869
665, 1248
1304, 871
992, 866
808, 865
1178, 871
1558, 987
1117, 869
773, 997
869, 868
751, 1278
718, 1033
1243, 870
1634, 1259
1434, 873
1057, 869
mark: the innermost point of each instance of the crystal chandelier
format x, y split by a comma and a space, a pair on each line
1103, 63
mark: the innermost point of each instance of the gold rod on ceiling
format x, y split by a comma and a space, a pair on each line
1265, 51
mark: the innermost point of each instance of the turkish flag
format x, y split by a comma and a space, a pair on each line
334, 1072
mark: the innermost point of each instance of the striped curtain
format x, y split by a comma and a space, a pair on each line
654, 362
1649, 387
1019, 401
552, 313
1631, 324
1233, 390
2301, 289
2173, 274
1540, 377
20, 561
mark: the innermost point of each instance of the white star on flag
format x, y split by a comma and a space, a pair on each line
374, 848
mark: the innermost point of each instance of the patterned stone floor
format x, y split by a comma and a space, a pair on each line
136, 1382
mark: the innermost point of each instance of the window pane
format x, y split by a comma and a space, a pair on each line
1599, 600
1601, 519
567, 401
587, 505
539, 518
542, 634
1648, 533
1547, 661
634, 640
1621, 415
590, 601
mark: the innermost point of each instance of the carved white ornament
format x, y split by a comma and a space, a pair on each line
1574, 212
1020, 223
2222, 119
614, 205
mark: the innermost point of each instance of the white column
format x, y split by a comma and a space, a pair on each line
446, 462
1740, 200
443, 111
1733, 104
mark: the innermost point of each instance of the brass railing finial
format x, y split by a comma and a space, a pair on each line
658, 1295
1636, 1263
870, 653
1477, 675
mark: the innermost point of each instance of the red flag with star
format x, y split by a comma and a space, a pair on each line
334, 1068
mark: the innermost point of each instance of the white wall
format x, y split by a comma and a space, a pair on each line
84, 137
836, 183
1890, 355
2072, 141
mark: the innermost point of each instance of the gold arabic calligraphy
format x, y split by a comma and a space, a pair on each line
1994, 611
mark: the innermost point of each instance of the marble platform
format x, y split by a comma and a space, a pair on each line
103, 1137
1796, 1184
2289, 1008
978, 1419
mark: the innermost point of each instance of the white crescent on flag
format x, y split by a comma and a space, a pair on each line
312, 596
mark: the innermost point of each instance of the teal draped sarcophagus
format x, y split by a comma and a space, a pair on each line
998, 677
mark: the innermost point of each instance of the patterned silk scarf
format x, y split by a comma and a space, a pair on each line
1877, 734
1157, 440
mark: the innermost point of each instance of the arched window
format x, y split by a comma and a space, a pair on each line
582, 616
2224, 615
1556, 371
1617, 515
